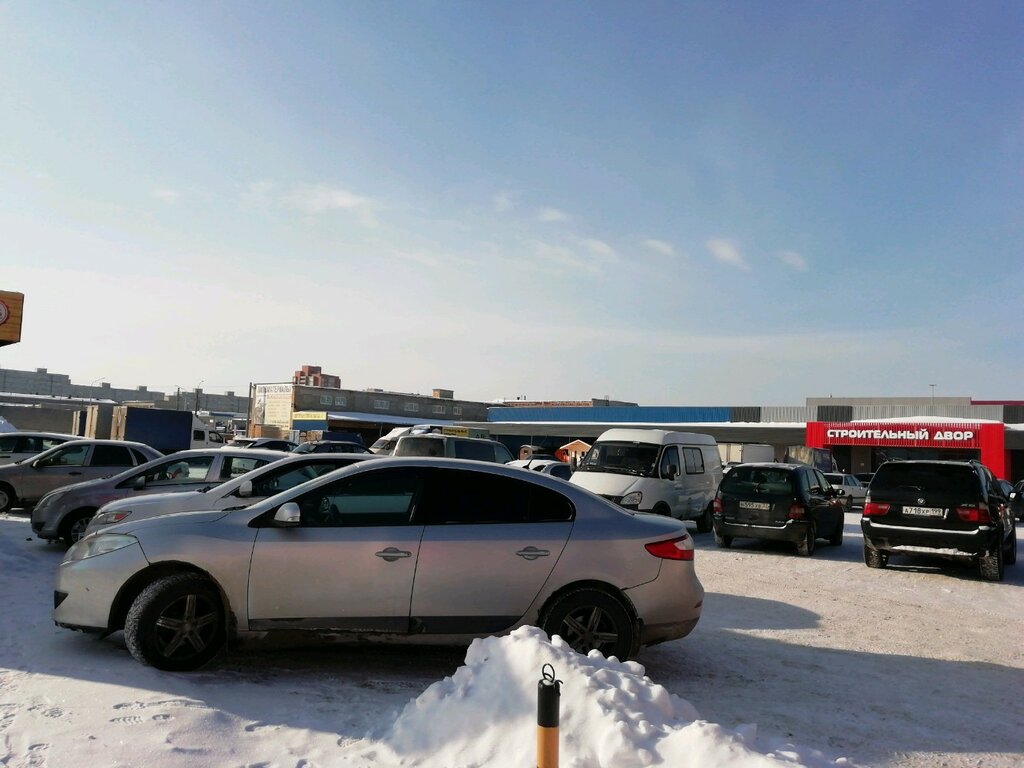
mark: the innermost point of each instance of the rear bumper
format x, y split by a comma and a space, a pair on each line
945, 542
793, 531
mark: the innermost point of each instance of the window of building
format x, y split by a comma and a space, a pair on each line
325, 399
382, 405
456, 410
412, 407
340, 400
438, 409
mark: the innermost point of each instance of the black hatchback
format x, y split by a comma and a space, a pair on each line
780, 502
952, 509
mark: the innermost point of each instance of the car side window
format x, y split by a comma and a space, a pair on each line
174, 472
383, 497
111, 456
502, 454
816, 483
453, 497
694, 461
469, 449
139, 456
7, 444
562, 471
233, 466
31, 445
669, 467
73, 456
284, 479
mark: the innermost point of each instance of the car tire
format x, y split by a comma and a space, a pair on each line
836, 539
8, 498
723, 541
662, 509
588, 618
72, 527
875, 558
706, 521
805, 548
176, 623
1011, 550
991, 564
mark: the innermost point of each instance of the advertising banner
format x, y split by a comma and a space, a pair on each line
272, 405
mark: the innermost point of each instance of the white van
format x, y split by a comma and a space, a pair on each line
651, 470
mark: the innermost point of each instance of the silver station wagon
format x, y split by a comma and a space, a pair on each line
435, 550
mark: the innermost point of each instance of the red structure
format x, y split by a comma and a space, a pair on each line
311, 376
988, 439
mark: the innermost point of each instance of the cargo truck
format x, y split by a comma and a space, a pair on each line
166, 430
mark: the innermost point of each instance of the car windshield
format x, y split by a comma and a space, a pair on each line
621, 458
420, 446
761, 480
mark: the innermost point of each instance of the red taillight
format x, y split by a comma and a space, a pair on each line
796, 511
717, 508
974, 514
875, 509
671, 549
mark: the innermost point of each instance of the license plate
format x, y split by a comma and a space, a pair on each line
924, 511
754, 505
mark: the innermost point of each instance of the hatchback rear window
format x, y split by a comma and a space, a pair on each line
746, 479
957, 482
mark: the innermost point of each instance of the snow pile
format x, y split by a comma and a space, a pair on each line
612, 716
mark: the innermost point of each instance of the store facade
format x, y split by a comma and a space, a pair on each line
865, 445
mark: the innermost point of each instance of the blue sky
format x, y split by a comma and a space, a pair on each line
671, 203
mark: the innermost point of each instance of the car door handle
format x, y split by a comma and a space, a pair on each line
392, 553
532, 553
76, 472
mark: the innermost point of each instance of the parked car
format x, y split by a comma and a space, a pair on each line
651, 470
491, 548
1017, 500
452, 447
266, 443
553, 467
18, 446
855, 491
65, 513
286, 472
864, 477
330, 446
779, 502
25, 483
953, 509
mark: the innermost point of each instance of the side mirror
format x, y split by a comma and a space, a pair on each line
288, 514
245, 489
139, 483
839, 492
673, 471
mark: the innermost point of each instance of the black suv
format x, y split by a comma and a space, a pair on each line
941, 508
782, 502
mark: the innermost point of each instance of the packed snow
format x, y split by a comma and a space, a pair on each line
830, 678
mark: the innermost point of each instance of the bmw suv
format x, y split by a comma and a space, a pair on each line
953, 509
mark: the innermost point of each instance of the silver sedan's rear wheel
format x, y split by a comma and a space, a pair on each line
589, 619
176, 623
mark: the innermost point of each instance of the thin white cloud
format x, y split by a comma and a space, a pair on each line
727, 252
503, 202
600, 249
320, 198
661, 246
557, 258
552, 214
794, 260
167, 195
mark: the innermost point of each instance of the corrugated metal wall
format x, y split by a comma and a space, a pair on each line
787, 413
835, 412
613, 414
745, 414
1013, 414
872, 412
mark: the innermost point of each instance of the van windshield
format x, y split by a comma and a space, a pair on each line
420, 446
621, 458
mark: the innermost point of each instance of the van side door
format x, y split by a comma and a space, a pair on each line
670, 469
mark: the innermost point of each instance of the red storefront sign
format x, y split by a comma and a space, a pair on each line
988, 438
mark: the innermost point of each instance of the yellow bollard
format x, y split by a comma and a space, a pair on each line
548, 695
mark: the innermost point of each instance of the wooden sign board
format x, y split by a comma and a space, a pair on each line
11, 305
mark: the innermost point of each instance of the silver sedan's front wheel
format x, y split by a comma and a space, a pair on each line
176, 623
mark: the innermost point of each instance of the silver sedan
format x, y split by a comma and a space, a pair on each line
389, 549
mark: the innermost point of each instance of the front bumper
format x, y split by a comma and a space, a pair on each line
909, 539
87, 588
793, 531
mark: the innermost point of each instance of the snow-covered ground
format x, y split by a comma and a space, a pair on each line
796, 661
